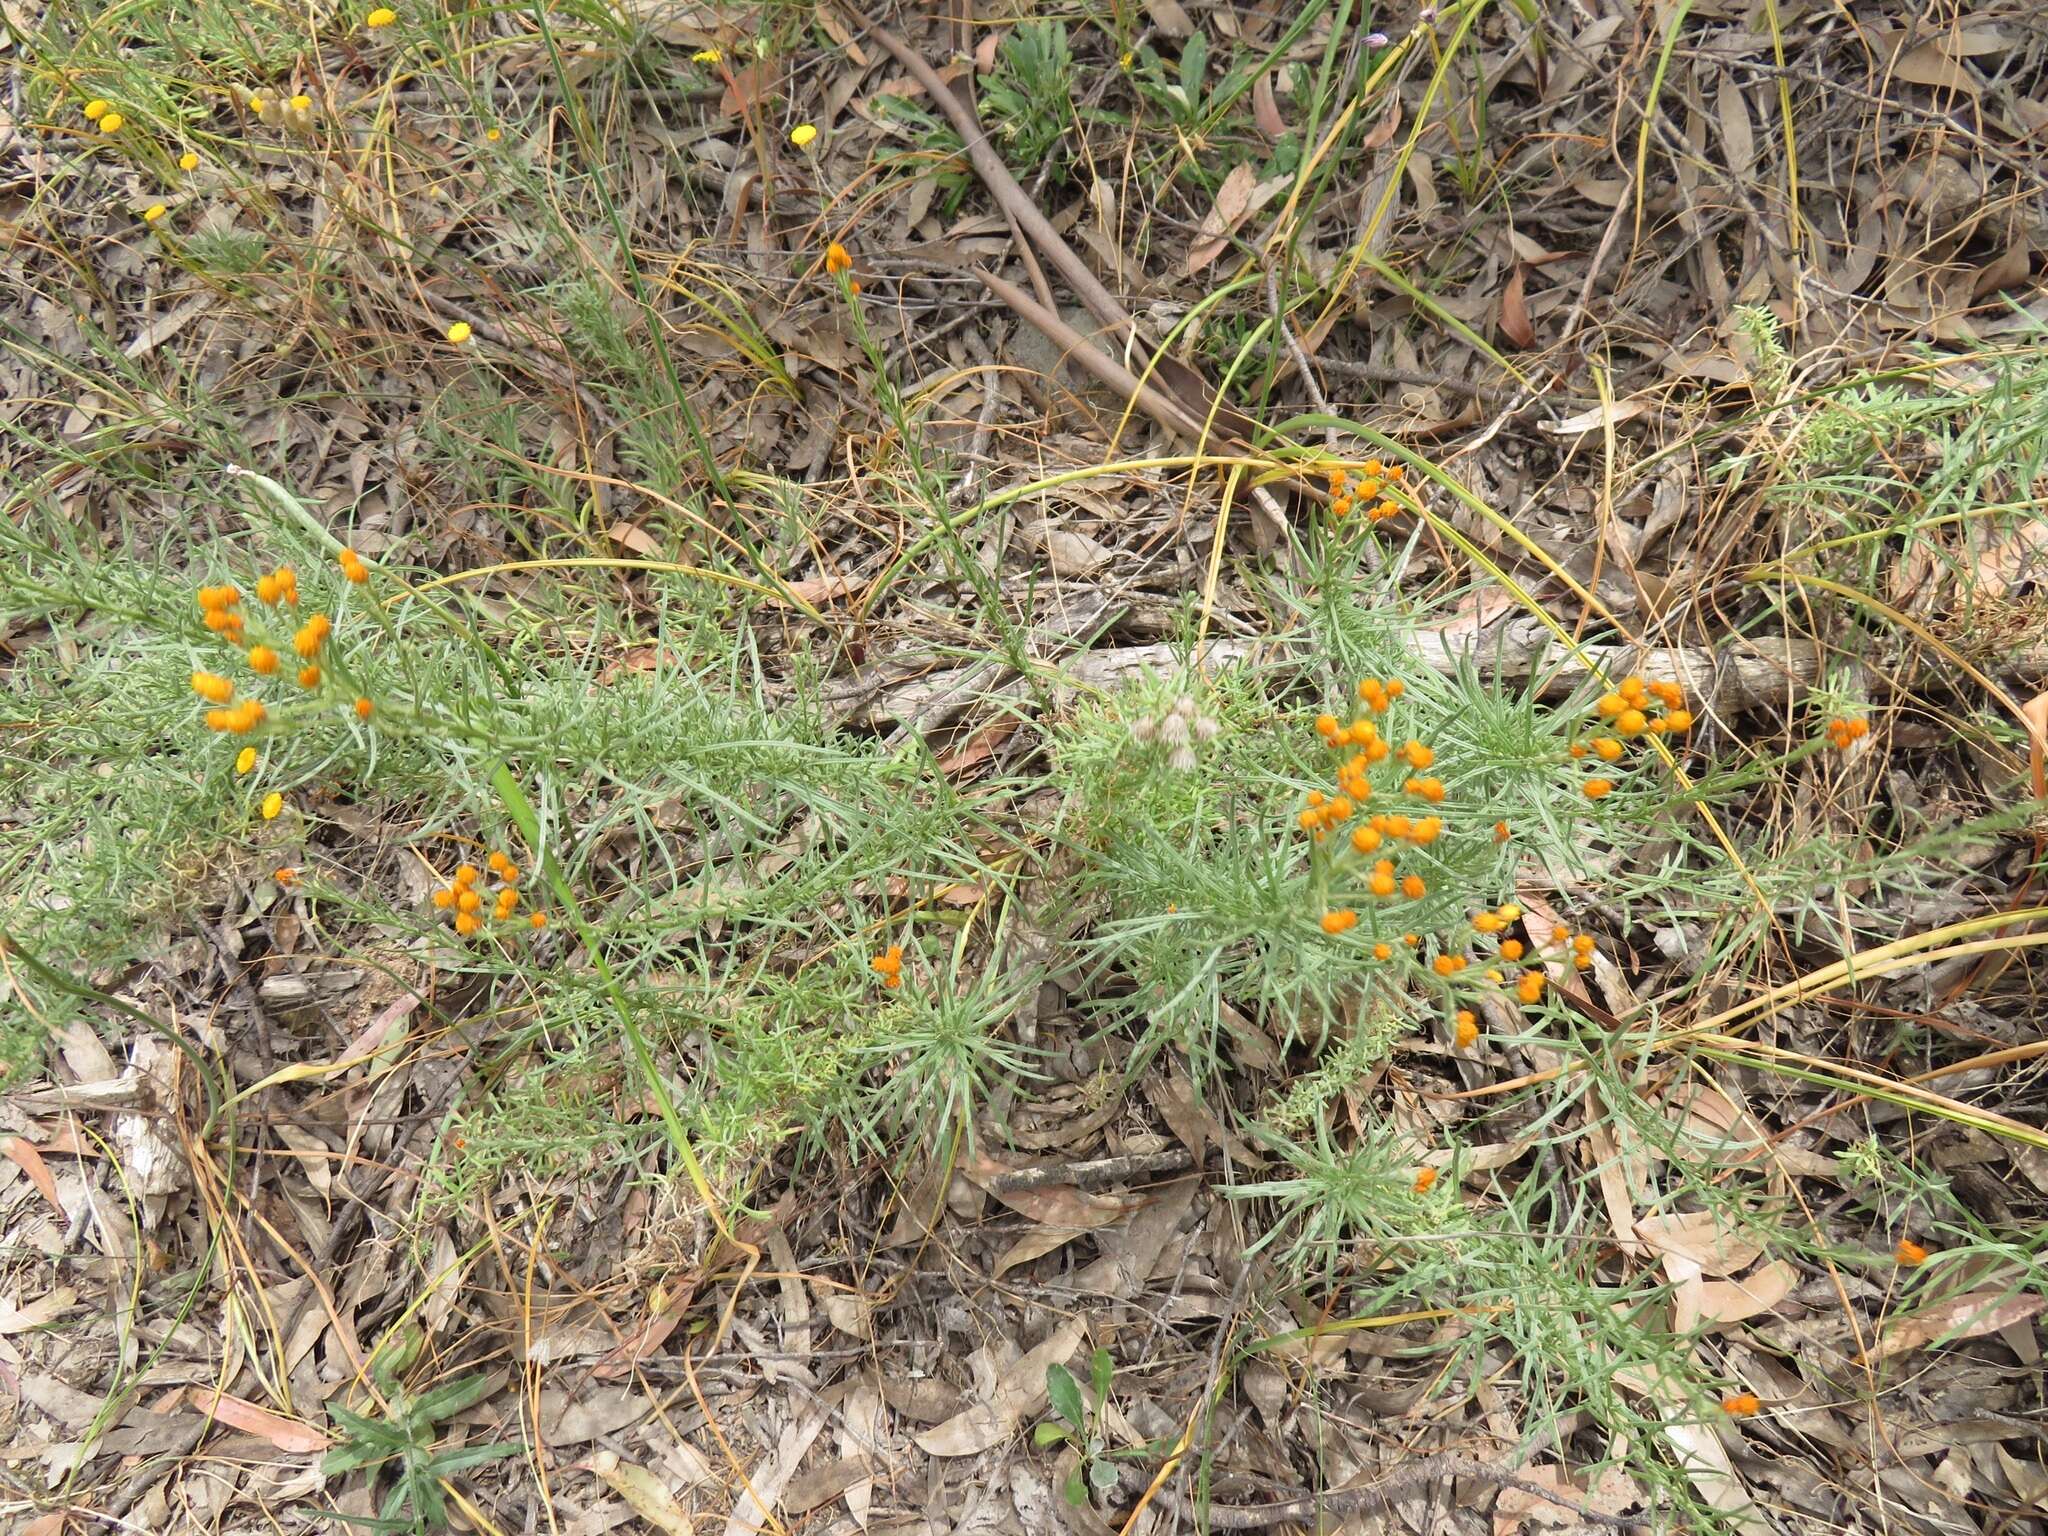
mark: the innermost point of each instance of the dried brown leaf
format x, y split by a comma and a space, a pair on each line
1233, 201
643, 1492
1514, 311
1968, 1316
30, 1161
1700, 1237
1266, 110
1732, 1301
1019, 1391
286, 1434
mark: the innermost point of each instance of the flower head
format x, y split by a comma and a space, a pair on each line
1425, 1181
1742, 1405
364, 708
245, 760
889, 966
212, 687
154, 212
836, 259
459, 332
272, 804
188, 161
1910, 1254
112, 122
352, 566
706, 56
383, 16
97, 108
803, 135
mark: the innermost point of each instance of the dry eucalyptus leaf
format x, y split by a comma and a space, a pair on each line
1019, 1391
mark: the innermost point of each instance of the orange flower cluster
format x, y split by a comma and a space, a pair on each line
1367, 746
1581, 946
1634, 709
221, 608
889, 966
1368, 492
1425, 1181
352, 566
280, 586
1466, 1028
218, 605
1909, 1254
1742, 1405
461, 897
1842, 732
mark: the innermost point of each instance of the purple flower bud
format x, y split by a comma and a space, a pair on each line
1375, 39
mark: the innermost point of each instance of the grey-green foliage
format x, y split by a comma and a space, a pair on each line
1028, 97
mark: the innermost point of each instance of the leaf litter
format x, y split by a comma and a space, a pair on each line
908, 1393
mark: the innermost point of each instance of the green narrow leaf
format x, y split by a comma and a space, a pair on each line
445, 1402
471, 1456
1101, 1371
1076, 1489
376, 1431
349, 1456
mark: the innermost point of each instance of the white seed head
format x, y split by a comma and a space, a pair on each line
1173, 730
1142, 731
1181, 760
1206, 729
1185, 705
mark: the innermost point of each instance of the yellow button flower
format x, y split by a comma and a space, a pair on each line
97, 109
803, 135
272, 804
153, 212
112, 122
245, 760
383, 16
188, 161
459, 332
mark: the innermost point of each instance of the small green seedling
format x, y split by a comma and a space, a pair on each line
1080, 1425
406, 1436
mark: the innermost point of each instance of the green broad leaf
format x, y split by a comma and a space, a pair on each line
1101, 1372
1102, 1474
1065, 1393
1194, 66
1050, 1432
